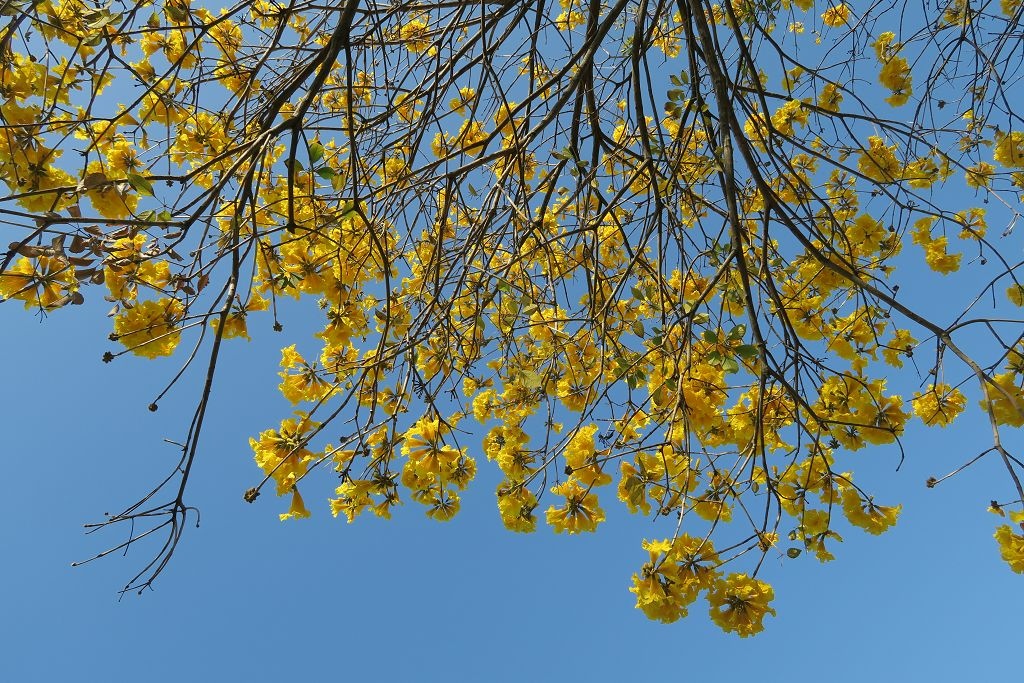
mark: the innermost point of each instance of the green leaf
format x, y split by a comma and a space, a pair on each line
140, 184
710, 336
316, 153
103, 18
325, 172
738, 332
638, 328
730, 365
793, 553
746, 351
176, 14
10, 9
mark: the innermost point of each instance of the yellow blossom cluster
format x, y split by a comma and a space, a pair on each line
434, 471
939, 405
677, 572
150, 328
740, 603
1009, 149
895, 74
1011, 547
936, 254
836, 15
44, 282
283, 453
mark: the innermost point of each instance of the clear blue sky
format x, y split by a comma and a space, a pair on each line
250, 598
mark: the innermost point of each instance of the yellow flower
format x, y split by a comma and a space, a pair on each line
785, 116
1015, 293
504, 443
47, 283
483, 405
111, 197
1009, 149
566, 21
471, 137
1005, 400
902, 343
516, 504
580, 512
458, 104
581, 458
661, 591
866, 514
830, 97
235, 78
236, 326
879, 161
978, 175
1011, 547
939, 405
353, 498
740, 603
122, 158
443, 505
415, 34
158, 106
836, 15
424, 446
406, 107
935, 254
756, 128
895, 74
972, 222
282, 453
305, 384
297, 510
149, 328
130, 264
814, 530
227, 36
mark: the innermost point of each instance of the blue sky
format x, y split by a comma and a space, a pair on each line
250, 598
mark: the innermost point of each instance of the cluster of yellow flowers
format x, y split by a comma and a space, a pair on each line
680, 569
895, 74
45, 282
939, 405
1011, 547
936, 253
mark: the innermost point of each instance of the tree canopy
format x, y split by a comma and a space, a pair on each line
639, 256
